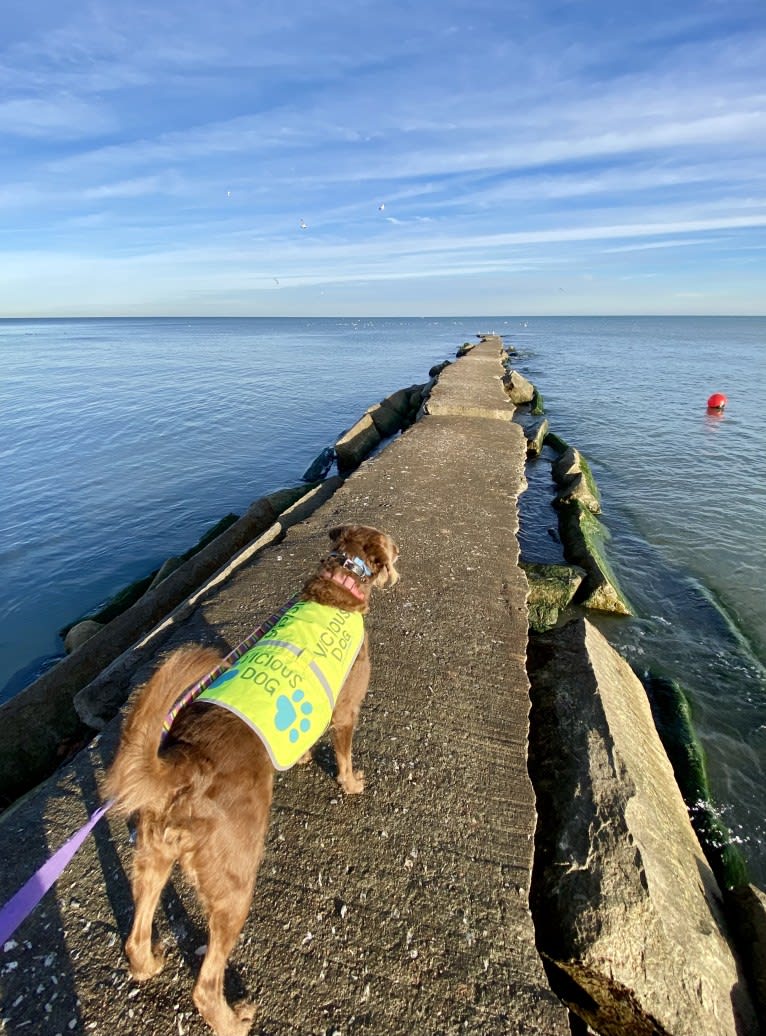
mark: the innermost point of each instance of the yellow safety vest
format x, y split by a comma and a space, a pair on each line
286, 687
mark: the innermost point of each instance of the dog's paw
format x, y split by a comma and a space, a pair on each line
305, 759
245, 1011
147, 965
352, 783
236, 1021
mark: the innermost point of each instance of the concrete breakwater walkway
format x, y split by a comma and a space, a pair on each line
406, 909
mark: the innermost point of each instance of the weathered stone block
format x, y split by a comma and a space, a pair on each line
386, 420
398, 401
164, 571
517, 388
536, 434
79, 633
437, 368
320, 465
358, 442
627, 909
748, 906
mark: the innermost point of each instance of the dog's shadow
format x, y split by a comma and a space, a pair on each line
323, 757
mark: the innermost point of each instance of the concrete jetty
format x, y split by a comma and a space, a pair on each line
405, 909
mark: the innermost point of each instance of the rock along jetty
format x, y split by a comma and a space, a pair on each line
409, 909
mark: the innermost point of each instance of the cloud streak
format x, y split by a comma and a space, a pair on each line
146, 144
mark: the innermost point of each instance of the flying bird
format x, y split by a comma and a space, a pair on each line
304, 225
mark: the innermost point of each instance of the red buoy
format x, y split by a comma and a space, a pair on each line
717, 401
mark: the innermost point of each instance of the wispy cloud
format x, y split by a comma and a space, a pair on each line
502, 138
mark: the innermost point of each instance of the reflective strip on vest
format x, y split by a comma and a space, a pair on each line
285, 688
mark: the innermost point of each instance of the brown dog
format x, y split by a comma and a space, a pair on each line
203, 799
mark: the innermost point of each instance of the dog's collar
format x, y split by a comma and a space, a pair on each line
347, 581
357, 565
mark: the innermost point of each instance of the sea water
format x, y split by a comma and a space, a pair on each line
123, 440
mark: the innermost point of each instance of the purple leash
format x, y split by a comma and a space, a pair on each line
29, 895
21, 905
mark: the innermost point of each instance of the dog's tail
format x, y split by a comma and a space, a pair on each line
139, 775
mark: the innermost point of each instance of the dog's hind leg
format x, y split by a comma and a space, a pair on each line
225, 923
224, 867
152, 865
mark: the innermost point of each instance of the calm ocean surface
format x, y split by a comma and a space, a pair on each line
123, 440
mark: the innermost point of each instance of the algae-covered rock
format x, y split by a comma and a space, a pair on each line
280, 500
572, 473
582, 536
556, 442
398, 401
211, 534
551, 589
673, 718
538, 404
123, 600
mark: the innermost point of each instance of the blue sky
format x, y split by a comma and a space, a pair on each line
320, 157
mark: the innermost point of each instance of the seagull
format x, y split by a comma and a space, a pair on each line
382, 206
304, 225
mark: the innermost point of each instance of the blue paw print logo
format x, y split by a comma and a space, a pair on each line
289, 711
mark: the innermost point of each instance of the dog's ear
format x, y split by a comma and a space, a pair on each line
386, 555
337, 531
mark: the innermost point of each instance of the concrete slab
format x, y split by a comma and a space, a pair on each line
473, 386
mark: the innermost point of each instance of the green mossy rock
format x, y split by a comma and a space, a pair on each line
583, 536
556, 442
673, 718
551, 589
572, 473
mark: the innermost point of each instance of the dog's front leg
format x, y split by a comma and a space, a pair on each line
344, 721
